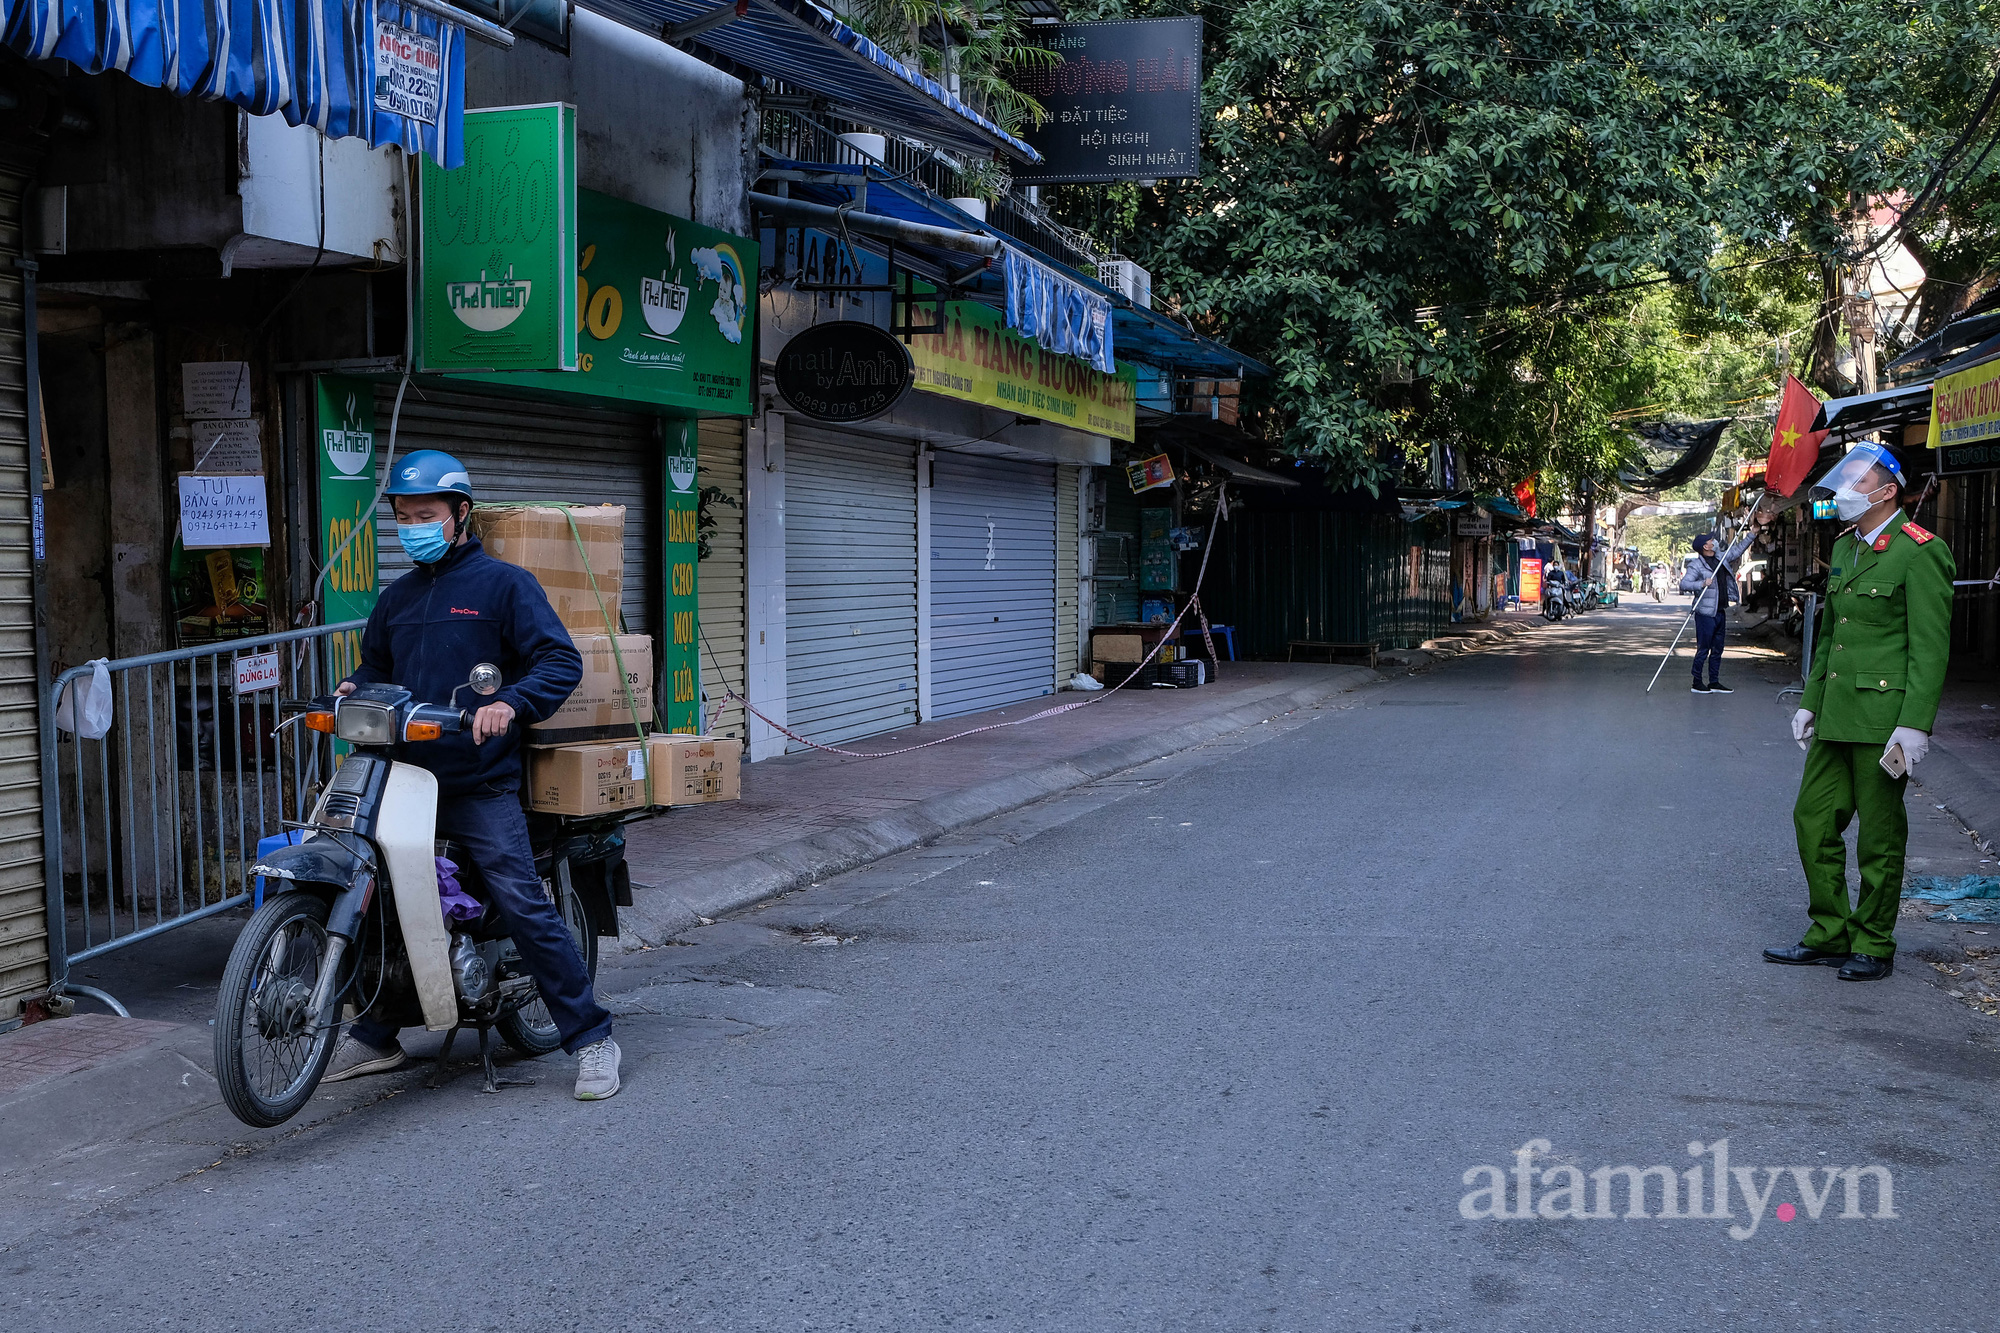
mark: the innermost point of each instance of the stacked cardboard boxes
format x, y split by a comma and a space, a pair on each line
594, 754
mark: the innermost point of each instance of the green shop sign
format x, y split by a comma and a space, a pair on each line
662, 312
344, 421
496, 253
680, 658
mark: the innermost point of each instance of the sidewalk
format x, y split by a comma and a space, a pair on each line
812, 814
1962, 771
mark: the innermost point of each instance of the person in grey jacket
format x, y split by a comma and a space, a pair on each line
1714, 583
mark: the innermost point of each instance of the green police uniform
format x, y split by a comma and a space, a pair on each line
1878, 664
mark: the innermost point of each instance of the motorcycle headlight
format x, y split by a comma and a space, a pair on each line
365, 723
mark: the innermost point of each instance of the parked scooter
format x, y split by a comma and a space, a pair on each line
360, 919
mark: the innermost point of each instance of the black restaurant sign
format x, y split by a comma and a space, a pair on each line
1123, 101
843, 371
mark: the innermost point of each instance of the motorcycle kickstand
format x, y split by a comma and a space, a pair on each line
493, 1081
436, 1080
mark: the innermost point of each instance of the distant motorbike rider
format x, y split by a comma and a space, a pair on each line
457, 608
1714, 583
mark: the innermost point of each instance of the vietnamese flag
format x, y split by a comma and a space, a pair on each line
1524, 496
1794, 443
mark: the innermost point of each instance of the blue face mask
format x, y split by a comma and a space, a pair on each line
425, 542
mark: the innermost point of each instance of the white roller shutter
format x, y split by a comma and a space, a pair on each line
1067, 584
993, 582
522, 450
850, 583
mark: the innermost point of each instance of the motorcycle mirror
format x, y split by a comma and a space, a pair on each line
485, 679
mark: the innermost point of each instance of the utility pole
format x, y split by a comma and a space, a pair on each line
1589, 490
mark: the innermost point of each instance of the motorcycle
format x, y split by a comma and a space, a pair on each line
358, 918
1555, 604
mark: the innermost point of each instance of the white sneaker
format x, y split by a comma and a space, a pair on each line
597, 1071
353, 1058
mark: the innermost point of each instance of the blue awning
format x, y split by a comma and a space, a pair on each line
380, 71
1135, 333
799, 43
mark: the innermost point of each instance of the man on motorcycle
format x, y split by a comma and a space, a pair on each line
457, 608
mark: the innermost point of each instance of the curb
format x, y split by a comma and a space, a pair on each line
662, 911
1960, 789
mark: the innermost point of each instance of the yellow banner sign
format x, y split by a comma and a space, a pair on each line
978, 359
1965, 408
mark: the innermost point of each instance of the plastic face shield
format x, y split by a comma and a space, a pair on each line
1851, 472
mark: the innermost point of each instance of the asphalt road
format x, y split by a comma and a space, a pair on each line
1214, 1045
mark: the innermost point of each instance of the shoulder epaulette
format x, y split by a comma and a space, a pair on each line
1917, 534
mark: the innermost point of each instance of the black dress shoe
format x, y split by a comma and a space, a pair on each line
1799, 955
1862, 967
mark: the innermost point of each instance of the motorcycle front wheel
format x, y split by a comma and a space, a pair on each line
270, 1050
531, 1029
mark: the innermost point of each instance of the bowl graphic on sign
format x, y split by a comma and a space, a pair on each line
490, 304
663, 300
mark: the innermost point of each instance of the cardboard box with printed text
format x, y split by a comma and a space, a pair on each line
599, 709
587, 779
695, 770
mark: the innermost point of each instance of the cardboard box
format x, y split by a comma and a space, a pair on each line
598, 711
1113, 647
587, 779
695, 770
539, 539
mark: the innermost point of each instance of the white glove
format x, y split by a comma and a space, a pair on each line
1916, 744
1802, 727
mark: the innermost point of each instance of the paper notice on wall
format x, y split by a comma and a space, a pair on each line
213, 390
223, 512
227, 446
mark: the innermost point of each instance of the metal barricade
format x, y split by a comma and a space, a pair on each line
157, 823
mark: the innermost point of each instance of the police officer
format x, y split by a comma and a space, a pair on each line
1871, 697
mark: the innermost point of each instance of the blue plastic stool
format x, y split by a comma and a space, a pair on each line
1227, 633
290, 838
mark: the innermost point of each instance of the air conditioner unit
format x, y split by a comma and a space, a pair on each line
1128, 280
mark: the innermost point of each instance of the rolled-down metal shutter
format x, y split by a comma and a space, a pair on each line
850, 583
24, 946
721, 582
1067, 585
522, 450
993, 582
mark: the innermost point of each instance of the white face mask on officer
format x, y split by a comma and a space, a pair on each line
1851, 504
1857, 482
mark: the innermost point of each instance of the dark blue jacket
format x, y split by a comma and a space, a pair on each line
437, 622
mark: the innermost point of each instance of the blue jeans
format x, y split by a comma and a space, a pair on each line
1708, 636
494, 833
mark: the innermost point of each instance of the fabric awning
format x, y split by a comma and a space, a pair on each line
1133, 332
1865, 413
799, 43
385, 72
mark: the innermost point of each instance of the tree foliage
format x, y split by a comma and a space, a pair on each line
1540, 213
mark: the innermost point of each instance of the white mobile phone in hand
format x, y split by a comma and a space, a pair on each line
1893, 762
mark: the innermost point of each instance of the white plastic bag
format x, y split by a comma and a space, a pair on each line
90, 716
1082, 682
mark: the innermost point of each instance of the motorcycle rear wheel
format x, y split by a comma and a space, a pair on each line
531, 1029
269, 1051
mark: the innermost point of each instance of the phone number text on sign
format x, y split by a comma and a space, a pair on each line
409, 72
